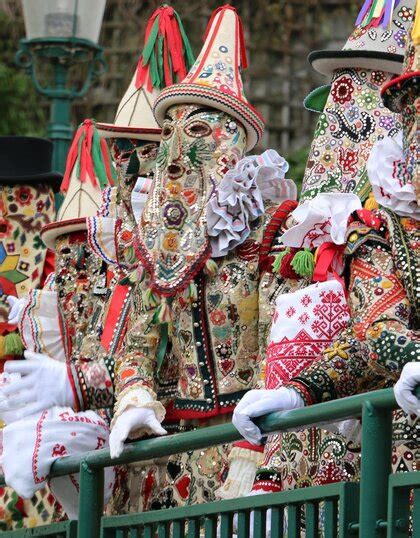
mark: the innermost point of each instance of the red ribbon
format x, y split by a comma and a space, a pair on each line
168, 28
242, 45
86, 162
326, 255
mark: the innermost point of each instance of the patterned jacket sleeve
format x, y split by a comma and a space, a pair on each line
136, 364
379, 341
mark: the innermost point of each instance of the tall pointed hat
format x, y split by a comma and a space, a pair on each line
166, 59
377, 42
89, 169
396, 90
215, 79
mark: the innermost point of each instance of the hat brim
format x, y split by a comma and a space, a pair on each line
200, 94
51, 231
110, 130
316, 100
328, 61
54, 178
392, 92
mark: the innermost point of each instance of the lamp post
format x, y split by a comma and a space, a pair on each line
61, 34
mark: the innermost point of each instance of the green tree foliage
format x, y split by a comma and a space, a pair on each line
20, 110
297, 163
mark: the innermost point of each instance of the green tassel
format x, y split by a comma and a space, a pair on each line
130, 254
150, 300
164, 312
13, 344
98, 163
148, 50
278, 259
79, 153
303, 263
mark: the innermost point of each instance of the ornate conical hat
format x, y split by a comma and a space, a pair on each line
215, 79
377, 42
88, 170
165, 59
394, 91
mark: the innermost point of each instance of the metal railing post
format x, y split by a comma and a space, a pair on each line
91, 501
375, 469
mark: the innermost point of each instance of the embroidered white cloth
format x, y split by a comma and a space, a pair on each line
390, 178
39, 440
56, 432
240, 195
305, 323
320, 220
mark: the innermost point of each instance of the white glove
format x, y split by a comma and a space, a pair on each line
404, 387
16, 308
130, 420
44, 383
257, 403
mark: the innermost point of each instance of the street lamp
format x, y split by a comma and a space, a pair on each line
61, 34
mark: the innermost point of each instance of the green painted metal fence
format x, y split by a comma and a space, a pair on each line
381, 505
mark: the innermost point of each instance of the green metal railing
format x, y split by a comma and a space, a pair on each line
382, 504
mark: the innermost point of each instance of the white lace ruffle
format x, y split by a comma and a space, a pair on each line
390, 179
240, 195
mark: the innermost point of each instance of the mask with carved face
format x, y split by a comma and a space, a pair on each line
199, 145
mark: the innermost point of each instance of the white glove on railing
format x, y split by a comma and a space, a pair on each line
44, 383
257, 403
403, 389
132, 419
16, 308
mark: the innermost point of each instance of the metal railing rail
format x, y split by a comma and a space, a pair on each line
375, 408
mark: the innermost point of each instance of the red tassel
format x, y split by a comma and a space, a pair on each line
242, 46
71, 160
286, 269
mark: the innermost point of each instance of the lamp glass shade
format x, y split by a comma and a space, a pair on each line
63, 18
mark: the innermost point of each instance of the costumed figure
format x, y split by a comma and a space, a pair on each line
305, 319
96, 327
27, 186
195, 297
381, 255
38, 404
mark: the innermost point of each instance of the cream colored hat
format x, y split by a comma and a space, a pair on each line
89, 169
215, 79
166, 58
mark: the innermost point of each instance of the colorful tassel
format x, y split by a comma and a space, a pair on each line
371, 202
278, 259
376, 13
135, 276
91, 156
192, 292
2, 353
303, 263
150, 300
13, 344
210, 267
286, 269
167, 55
164, 312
